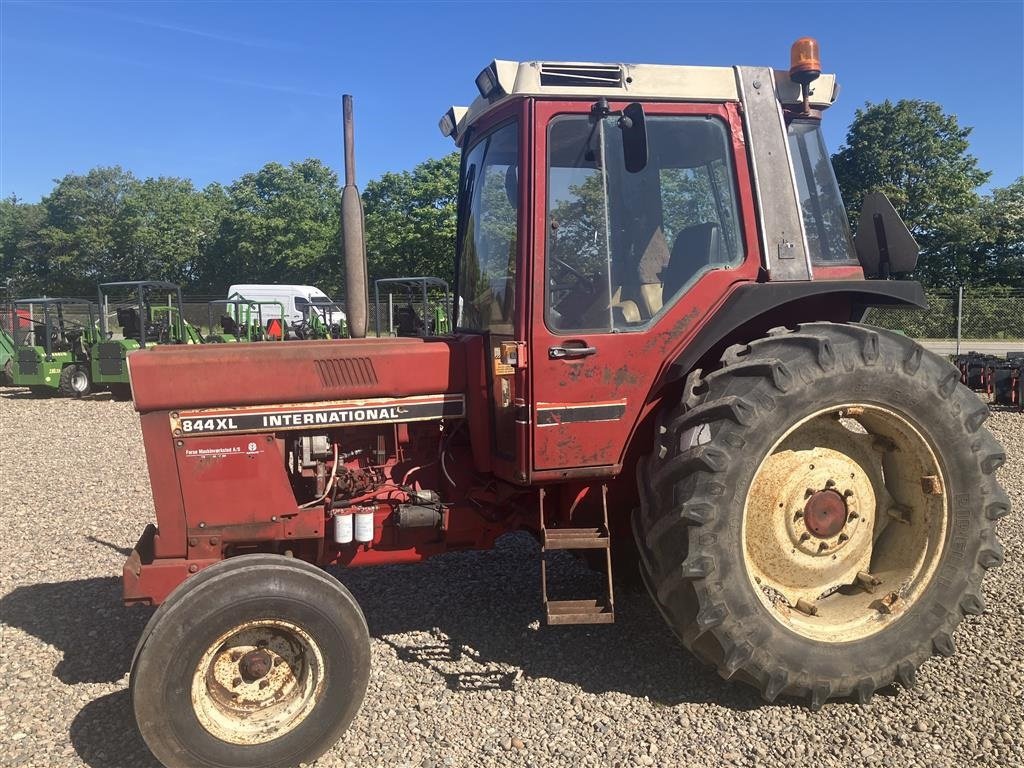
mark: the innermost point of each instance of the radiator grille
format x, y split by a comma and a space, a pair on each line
345, 372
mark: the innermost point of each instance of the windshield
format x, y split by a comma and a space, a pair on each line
621, 246
487, 240
828, 231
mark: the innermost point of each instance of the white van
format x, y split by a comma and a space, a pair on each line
296, 300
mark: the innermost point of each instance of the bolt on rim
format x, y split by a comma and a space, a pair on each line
845, 522
257, 682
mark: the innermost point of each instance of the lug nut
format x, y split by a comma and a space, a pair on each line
804, 536
843, 537
806, 607
830, 483
236, 682
822, 547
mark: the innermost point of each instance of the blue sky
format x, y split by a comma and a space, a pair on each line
213, 90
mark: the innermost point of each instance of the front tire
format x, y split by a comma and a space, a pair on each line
818, 513
75, 381
259, 661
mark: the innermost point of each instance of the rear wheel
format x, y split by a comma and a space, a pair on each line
75, 381
819, 512
259, 661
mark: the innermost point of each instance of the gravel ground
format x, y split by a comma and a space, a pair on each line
463, 673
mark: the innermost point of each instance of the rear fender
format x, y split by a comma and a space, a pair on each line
754, 308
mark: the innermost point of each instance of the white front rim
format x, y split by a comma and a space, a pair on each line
257, 682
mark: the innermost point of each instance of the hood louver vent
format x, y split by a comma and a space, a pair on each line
581, 75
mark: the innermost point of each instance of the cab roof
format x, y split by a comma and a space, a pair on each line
620, 82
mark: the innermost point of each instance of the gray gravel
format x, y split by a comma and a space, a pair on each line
463, 673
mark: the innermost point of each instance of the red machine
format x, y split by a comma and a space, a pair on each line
656, 284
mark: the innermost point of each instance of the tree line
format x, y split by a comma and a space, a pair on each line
281, 223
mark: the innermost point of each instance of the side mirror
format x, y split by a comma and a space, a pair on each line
633, 124
883, 242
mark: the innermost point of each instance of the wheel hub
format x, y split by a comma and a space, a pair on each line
810, 519
257, 682
255, 665
825, 514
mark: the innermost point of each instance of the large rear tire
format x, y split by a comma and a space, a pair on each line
259, 661
818, 514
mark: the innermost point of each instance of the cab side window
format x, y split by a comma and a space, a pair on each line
622, 246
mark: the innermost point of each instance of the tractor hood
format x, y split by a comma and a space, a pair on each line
268, 373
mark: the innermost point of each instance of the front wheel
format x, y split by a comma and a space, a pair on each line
75, 381
259, 661
818, 513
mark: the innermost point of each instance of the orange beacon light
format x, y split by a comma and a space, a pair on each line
804, 66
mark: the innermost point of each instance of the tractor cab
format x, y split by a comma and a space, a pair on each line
51, 344
608, 211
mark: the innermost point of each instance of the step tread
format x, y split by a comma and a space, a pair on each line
576, 538
579, 612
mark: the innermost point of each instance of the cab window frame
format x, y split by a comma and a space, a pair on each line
739, 233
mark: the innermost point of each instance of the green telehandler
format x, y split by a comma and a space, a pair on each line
50, 349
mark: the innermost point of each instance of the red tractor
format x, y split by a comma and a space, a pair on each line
657, 359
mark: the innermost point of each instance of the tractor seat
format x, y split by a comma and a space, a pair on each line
695, 249
229, 325
128, 319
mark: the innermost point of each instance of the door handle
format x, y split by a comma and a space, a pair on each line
569, 353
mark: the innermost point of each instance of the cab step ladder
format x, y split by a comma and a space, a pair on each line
597, 611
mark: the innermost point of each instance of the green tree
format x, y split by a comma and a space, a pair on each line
165, 231
918, 156
84, 235
21, 249
280, 224
999, 253
411, 220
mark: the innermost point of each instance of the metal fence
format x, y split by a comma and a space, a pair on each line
964, 317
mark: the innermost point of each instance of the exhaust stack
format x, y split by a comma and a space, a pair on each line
352, 240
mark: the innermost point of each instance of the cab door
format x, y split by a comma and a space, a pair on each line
628, 266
